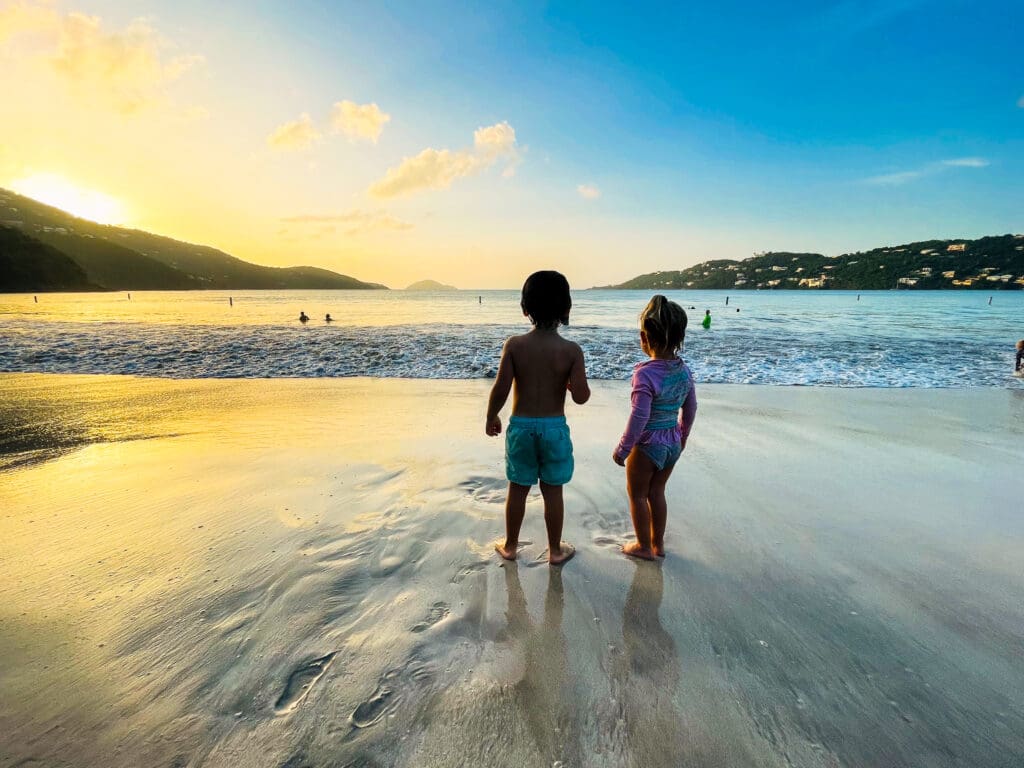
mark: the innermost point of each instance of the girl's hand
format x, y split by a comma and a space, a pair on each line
493, 428
618, 460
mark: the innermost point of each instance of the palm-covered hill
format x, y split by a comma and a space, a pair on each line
114, 258
995, 262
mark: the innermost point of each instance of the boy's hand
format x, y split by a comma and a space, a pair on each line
493, 428
618, 460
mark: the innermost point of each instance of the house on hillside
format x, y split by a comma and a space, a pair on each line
956, 247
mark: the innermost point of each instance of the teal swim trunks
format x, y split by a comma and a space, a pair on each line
538, 448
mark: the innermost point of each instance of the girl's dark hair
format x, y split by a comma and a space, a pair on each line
546, 299
664, 322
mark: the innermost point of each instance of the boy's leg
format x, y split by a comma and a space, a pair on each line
554, 514
639, 472
659, 509
515, 509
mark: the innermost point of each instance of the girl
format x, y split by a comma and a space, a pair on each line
664, 406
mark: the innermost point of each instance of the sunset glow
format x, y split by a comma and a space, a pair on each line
79, 201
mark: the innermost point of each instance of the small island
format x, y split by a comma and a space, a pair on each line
430, 285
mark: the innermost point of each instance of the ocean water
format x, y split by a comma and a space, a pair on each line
827, 338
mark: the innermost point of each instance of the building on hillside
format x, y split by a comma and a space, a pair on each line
910, 282
950, 274
956, 247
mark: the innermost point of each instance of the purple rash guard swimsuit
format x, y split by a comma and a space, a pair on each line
664, 404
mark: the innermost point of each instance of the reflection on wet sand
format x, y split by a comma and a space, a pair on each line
545, 694
647, 675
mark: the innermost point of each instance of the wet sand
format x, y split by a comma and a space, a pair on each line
299, 573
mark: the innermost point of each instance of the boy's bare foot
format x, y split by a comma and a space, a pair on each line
508, 553
635, 550
564, 554
658, 550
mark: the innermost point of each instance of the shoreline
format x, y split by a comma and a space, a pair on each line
298, 571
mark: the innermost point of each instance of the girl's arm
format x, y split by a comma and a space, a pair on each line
641, 398
687, 414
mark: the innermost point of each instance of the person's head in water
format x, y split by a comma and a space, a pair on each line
546, 300
303, 316
328, 317
662, 327
707, 313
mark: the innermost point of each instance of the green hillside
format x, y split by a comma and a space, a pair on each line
27, 265
990, 263
116, 258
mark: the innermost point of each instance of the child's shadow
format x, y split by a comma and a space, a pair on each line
545, 695
648, 675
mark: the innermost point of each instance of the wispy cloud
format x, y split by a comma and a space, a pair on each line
438, 168
967, 162
355, 221
127, 69
588, 191
359, 121
932, 169
295, 134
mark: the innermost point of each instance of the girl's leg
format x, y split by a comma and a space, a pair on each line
659, 509
515, 509
554, 513
639, 471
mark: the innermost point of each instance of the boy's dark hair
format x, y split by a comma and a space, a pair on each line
664, 322
546, 299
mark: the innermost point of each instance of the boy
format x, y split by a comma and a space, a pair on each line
542, 365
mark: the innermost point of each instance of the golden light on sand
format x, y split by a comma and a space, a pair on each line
59, 192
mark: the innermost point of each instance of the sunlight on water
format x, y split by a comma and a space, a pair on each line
833, 338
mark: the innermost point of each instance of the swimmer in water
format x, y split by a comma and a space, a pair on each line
303, 317
1018, 366
706, 322
328, 318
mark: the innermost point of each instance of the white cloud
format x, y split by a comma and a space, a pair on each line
296, 134
127, 69
359, 121
588, 191
438, 168
932, 169
967, 162
356, 221
894, 179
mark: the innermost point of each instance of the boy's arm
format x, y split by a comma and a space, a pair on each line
499, 392
577, 385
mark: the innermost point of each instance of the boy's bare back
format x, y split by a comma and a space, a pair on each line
543, 366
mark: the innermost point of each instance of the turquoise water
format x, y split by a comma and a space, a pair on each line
830, 338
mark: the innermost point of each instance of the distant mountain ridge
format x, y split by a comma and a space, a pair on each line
114, 258
430, 285
993, 263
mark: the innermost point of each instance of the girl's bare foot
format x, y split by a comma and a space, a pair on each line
563, 555
658, 550
508, 553
635, 550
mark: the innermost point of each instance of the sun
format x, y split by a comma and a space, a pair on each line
59, 192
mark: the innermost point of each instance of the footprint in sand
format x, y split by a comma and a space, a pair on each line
488, 490
386, 696
467, 571
300, 682
437, 612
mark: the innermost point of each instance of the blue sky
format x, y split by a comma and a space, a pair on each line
645, 138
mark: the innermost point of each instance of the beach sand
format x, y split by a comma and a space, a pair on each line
297, 573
